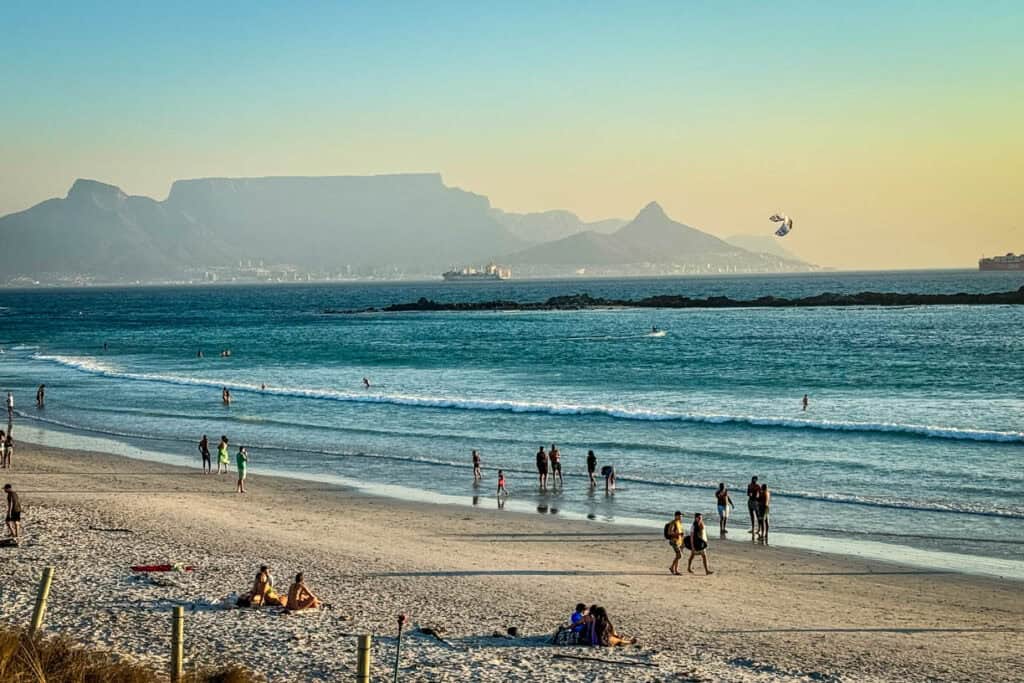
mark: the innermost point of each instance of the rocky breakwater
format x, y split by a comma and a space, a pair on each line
585, 301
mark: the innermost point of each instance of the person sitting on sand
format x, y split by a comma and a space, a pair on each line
263, 592
698, 543
605, 633
300, 597
577, 618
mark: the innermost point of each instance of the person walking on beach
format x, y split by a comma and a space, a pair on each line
724, 503
13, 516
222, 455
592, 468
241, 462
502, 491
556, 465
7, 450
542, 469
805, 403
753, 491
41, 396
764, 500
10, 406
674, 533
698, 543
204, 451
476, 467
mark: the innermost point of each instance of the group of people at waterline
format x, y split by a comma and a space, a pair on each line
224, 459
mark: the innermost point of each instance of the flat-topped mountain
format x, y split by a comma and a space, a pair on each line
410, 225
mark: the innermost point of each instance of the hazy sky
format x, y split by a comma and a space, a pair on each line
893, 131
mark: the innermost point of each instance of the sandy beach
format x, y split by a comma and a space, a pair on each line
766, 614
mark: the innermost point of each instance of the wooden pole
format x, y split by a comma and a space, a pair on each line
41, 597
178, 645
363, 658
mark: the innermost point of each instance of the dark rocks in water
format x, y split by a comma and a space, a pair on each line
575, 302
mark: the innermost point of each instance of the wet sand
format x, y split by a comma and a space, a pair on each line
766, 614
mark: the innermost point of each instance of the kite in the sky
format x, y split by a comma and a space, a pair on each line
787, 223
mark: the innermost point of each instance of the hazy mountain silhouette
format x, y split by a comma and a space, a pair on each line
411, 222
546, 226
650, 242
99, 229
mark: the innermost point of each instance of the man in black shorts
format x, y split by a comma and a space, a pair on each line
753, 492
13, 516
592, 468
542, 469
204, 450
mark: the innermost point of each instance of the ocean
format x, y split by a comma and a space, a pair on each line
912, 448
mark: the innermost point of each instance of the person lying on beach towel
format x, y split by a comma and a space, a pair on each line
263, 592
300, 597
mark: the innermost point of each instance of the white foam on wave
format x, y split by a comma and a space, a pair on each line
97, 367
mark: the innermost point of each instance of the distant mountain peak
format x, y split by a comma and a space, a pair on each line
652, 210
103, 195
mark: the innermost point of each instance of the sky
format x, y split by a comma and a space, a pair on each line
893, 132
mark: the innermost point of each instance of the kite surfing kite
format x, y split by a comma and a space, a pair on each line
787, 223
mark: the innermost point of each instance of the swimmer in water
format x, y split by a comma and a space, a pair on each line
366, 383
805, 403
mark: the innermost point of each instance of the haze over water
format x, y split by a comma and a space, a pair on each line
913, 438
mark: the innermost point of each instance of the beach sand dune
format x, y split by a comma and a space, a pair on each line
767, 614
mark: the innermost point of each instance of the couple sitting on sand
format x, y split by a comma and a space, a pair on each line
591, 626
263, 593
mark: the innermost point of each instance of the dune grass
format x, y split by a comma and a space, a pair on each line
26, 659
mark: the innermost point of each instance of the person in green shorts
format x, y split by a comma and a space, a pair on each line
241, 460
222, 455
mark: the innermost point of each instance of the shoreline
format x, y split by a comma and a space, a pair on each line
766, 614
850, 546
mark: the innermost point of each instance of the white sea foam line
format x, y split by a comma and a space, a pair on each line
93, 366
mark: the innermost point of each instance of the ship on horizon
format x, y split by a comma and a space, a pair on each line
491, 271
1008, 262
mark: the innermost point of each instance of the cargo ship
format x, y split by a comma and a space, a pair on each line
1008, 262
489, 272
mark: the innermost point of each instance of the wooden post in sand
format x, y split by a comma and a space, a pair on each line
178, 645
363, 657
44, 593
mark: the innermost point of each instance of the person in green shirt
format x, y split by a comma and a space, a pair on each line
222, 456
241, 460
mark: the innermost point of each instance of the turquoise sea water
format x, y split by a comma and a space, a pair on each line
913, 446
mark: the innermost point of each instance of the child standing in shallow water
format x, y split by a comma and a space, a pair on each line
502, 491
